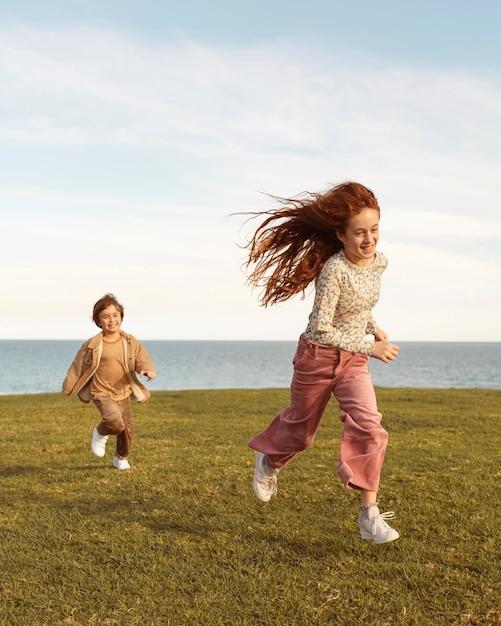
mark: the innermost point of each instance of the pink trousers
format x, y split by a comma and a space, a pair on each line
320, 371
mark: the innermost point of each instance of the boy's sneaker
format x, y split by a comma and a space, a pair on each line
98, 444
374, 527
120, 464
264, 483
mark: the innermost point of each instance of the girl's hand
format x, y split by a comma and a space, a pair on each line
381, 335
149, 374
385, 351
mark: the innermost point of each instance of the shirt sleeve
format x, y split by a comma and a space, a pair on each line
324, 307
144, 362
372, 325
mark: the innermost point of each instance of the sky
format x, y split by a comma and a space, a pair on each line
131, 132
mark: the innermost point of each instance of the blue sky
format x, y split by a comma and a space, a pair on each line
130, 131
461, 34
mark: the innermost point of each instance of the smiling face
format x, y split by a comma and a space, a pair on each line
110, 319
360, 237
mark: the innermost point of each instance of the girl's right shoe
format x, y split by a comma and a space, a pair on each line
98, 443
264, 483
373, 526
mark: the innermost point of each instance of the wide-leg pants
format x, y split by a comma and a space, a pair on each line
319, 372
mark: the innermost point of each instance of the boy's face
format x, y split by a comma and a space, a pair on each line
110, 319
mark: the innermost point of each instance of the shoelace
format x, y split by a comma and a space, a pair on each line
380, 521
271, 483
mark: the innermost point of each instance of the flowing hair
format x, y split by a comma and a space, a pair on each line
291, 245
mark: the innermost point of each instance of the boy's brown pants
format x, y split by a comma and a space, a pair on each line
116, 419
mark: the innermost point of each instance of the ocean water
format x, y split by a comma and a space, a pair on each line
40, 366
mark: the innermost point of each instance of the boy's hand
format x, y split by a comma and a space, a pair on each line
150, 375
381, 335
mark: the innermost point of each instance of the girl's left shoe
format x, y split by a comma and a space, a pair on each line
120, 464
264, 481
373, 526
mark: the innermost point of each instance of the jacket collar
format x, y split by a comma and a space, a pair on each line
96, 340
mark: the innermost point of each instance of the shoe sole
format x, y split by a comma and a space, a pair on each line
368, 537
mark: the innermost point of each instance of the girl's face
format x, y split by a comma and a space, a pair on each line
361, 236
110, 319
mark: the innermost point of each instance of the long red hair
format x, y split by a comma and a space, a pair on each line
295, 239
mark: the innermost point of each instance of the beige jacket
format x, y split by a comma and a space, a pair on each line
86, 362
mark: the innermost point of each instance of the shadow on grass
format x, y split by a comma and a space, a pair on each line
189, 519
18, 470
92, 467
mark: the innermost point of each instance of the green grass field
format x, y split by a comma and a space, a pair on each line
180, 539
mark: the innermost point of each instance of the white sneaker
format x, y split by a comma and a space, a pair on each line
264, 485
98, 444
120, 464
374, 527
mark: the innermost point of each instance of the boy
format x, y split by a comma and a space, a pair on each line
104, 371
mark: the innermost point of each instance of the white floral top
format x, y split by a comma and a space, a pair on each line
345, 294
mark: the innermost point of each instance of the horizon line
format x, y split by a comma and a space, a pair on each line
254, 340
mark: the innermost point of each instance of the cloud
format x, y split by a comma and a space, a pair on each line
94, 86
129, 157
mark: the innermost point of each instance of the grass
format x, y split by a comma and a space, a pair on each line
180, 539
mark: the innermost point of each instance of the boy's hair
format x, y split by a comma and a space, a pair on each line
103, 303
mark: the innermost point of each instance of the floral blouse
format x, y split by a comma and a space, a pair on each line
344, 296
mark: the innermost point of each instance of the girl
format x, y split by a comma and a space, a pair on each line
104, 371
330, 238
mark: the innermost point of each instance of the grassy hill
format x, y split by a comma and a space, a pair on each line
180, 539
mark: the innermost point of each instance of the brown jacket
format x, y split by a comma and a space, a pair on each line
86, 362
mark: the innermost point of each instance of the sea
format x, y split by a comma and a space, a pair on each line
29, 367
